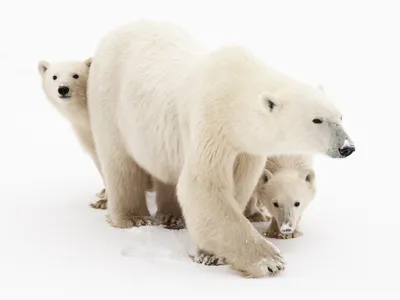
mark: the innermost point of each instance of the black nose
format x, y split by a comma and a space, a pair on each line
63, 90
346, 151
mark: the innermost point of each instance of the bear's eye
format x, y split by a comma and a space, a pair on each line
276, 204
265, 178
54, 77
270, 104
297, 204
317, 121
76, 76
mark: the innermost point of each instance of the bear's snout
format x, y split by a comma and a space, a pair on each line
346, 149
63, 90
286, 227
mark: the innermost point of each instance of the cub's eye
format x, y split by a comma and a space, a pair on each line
317, 121
76, 76
276, 204
54, 77
297, 204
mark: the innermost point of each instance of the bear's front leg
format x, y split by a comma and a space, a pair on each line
126, 184
215, 220
169, 212
273, 232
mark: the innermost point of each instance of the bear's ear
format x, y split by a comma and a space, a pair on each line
88, 62
266, 176
310, 176
43, 66
269, 101
321, 87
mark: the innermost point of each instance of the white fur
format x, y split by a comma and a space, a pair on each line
286, 180
161, 103
74, 107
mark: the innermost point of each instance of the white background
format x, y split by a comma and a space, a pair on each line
54, 246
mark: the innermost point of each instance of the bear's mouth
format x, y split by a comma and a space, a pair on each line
64, 97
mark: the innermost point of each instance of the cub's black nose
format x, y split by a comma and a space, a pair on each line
346, 150
63, 90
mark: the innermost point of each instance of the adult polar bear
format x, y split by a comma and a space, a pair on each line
204, 121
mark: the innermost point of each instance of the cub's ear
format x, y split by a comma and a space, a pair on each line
269, 101
43, 66
310, 176
266, 176
88, 62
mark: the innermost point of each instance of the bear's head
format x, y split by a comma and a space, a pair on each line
286, 194
293, 119
65, 82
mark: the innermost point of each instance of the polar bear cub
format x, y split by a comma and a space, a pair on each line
65, 84
286, 189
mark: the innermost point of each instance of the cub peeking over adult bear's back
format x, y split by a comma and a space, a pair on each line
205, 121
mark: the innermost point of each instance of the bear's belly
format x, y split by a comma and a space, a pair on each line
152, 138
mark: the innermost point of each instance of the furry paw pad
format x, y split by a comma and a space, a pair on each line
208, 259
265, 267
101, 204
281, 236
171, 222
130, 221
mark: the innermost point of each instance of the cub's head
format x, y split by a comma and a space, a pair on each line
64, 82
286, 194
297, 119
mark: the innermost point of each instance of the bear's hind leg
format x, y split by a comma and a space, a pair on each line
169, 212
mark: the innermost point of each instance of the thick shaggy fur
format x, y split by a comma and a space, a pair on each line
204, 121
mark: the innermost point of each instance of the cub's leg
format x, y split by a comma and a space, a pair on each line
214, 217
169, 212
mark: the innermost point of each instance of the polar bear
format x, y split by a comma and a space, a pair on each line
206, 121
64, 84
286, 189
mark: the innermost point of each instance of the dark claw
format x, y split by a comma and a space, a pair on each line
270, 270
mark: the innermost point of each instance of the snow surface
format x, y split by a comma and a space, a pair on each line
54, 246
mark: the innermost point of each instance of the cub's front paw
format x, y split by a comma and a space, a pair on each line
170, 222
278, 235
128, 221
208, 259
